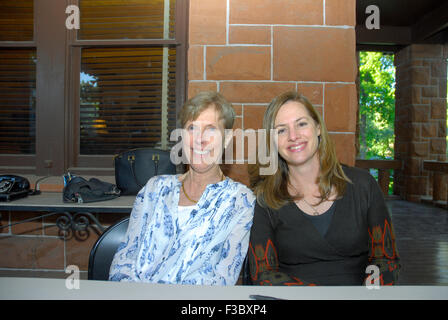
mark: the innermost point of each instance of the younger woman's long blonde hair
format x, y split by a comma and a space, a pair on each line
272, 190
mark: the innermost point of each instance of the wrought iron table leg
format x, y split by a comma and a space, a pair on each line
77, 222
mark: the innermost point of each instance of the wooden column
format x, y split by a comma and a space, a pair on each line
440, 180
384, 167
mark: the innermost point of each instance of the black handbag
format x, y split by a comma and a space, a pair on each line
135, 167
13, 187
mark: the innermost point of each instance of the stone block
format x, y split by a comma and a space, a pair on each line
340, 107
250, 35
426, 51
415, 132
419, 149
207, 22
32, 253
441, 132
254, 92
314, 54
416, 94
438, 146
303, 12
420, 76
253, 116
312, 91
340, 12
438, 108
196, 63
195, 87
429, 129
419, 113
430, 92
438, 69
345, 147
413, 167
238, 63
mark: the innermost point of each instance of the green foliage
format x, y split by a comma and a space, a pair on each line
377, 105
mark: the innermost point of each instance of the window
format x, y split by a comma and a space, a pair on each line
17, 99
123, 102
85, 95
17, 81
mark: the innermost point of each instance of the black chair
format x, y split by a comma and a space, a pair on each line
246, 278
104, 250
105, 247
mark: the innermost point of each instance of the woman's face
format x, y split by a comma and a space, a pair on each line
203, 141
297, 134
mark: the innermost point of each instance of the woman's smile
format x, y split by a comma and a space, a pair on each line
298, 147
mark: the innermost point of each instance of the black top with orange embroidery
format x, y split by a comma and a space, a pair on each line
287, 249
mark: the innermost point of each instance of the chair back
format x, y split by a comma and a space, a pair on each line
246, 277
103, 251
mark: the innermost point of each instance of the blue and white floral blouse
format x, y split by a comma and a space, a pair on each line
206, 248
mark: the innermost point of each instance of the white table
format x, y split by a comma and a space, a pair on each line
56, 289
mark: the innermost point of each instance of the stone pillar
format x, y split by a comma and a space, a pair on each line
420, 116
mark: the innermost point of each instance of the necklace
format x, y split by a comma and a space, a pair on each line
315, 212
186, 195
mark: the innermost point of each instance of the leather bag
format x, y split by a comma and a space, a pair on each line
79, 190
13, 187
135, 167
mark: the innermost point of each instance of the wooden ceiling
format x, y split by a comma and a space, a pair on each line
402, 22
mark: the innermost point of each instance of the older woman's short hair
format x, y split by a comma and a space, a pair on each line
203, 100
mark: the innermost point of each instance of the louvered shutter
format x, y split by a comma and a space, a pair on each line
127, 93
17, 79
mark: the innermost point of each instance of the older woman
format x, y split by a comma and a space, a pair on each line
315, 221
191, 228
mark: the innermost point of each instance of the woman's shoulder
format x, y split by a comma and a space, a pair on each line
357, 174
360, 178
236, 185
165, 178
161, 181
239, 189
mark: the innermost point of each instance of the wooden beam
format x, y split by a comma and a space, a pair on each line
121, 43
430, 23
378, 164
379, 48
438, 166
386, 35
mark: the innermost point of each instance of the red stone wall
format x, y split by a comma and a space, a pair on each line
252, 50
420, 116
39, 249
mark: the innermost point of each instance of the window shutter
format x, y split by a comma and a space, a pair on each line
16, 20
17, 101
127, 92
126, 19
17, 79
121, 98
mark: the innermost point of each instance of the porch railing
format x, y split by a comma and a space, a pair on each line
384, 167
439, 171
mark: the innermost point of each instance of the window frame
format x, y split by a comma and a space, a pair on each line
23, 162
57, 128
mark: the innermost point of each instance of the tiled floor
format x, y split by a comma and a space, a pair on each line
422, 241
